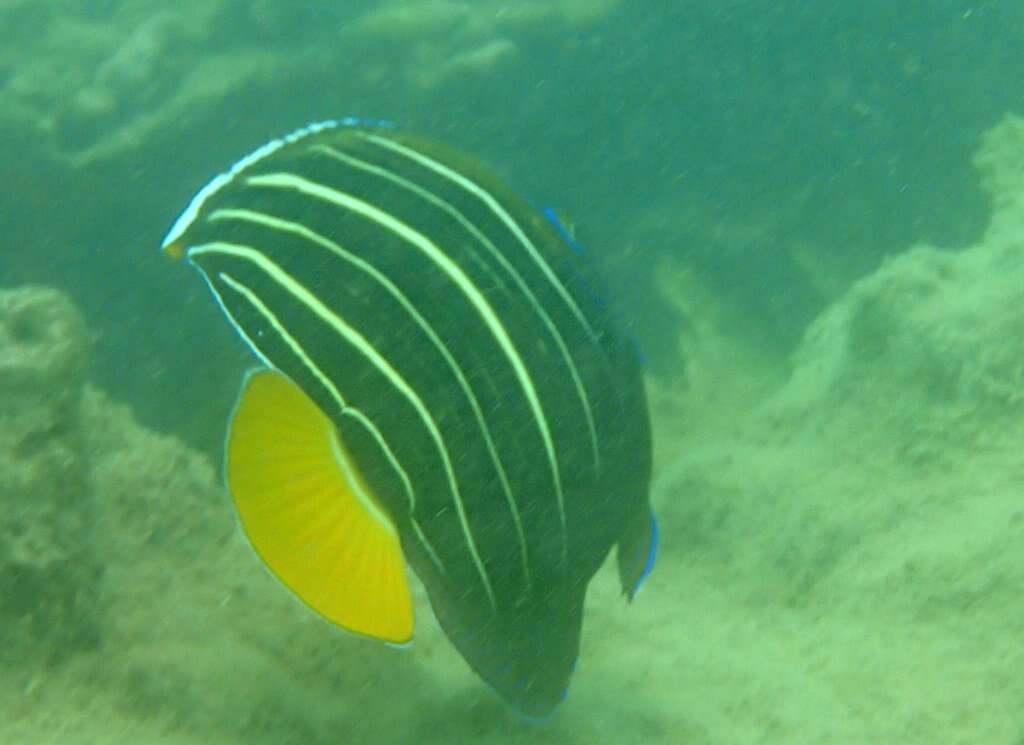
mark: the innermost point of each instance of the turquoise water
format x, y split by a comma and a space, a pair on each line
836, 415
760, 124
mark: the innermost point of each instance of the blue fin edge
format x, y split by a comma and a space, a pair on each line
563, 231
652, 555
580, 250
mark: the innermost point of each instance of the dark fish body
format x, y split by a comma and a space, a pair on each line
473, 377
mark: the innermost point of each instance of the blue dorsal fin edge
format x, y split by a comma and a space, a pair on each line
580, 250
563, 231
366, 121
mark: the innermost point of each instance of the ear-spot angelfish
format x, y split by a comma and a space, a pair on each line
441, 387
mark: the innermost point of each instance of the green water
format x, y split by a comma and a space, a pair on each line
837, 414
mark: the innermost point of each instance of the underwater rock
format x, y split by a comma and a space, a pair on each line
405, 21
134, 63
111, 533
907, 392
91, 85
195, 631
1000, 161
480, 60
437, 42
48, 577
80, 83
925, 352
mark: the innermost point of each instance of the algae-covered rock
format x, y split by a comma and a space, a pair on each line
903, 410
197, 633
95, 85
435, 42
48, 575
927, 351
121, 560
1000, 161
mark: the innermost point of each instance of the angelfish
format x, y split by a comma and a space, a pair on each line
442, 385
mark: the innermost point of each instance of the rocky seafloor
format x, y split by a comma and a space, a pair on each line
842, 561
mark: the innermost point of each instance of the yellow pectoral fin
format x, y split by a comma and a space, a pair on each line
309, 515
